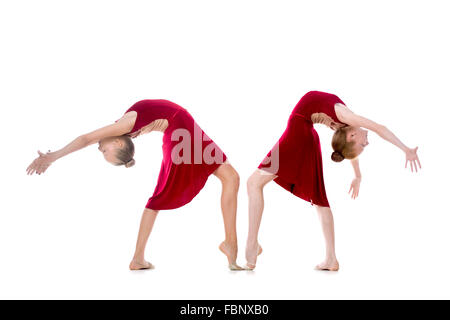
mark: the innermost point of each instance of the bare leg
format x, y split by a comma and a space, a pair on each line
147, 221
326, 219
255, 186
230, 186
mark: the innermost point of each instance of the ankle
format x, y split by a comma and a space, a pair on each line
232, 244
138, 258
252, 244
331, 258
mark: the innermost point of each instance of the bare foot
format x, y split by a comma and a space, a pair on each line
328, 265
140, 265
231, 252
251, 258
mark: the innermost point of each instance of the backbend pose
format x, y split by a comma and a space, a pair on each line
295, 163
189, 157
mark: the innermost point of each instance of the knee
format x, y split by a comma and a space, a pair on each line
231, 178
254, 183
148, 211
324, 212
235, 179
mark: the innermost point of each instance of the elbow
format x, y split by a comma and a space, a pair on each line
381, 129
85, 140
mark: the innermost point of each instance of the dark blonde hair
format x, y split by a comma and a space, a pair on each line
342, 148
126, 154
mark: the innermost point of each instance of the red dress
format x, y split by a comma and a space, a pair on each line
189, 156
299, 163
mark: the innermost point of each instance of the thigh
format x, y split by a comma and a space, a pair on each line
225, 170
261, 177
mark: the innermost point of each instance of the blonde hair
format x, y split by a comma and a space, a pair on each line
343, 149
126, 154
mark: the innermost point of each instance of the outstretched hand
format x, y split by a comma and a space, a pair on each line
41, 163
354, 187
411, 156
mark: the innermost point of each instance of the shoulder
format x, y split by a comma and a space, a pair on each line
341, 109
128, 119
343, 113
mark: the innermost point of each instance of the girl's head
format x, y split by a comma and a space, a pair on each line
118, 150
348, 143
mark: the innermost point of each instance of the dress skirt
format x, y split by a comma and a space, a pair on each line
189, 157
296, 159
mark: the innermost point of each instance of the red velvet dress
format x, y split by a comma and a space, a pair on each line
189, 156
299, 167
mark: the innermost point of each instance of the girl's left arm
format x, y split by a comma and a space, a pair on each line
354, 187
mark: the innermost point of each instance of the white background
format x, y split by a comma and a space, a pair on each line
239, 67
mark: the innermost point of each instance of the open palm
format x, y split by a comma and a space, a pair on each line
41, 163
412, 158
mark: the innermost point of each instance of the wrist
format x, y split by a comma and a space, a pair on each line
54, 156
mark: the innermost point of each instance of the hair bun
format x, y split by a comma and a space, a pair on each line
130, 163
337, 156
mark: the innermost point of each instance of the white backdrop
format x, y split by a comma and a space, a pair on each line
239, 67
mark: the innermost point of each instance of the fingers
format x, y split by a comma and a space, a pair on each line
354, 191
37, 168
31, 168
406, 163
417, 159
41, 168
413, 165
39, 165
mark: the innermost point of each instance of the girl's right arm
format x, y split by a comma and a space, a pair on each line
353, 119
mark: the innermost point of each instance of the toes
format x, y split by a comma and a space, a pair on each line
141, 266
249, 266
326, 268
235, 267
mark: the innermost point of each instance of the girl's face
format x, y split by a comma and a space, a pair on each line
359, 136
108, 147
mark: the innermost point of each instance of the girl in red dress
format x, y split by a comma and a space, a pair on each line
189, 157
295, 163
